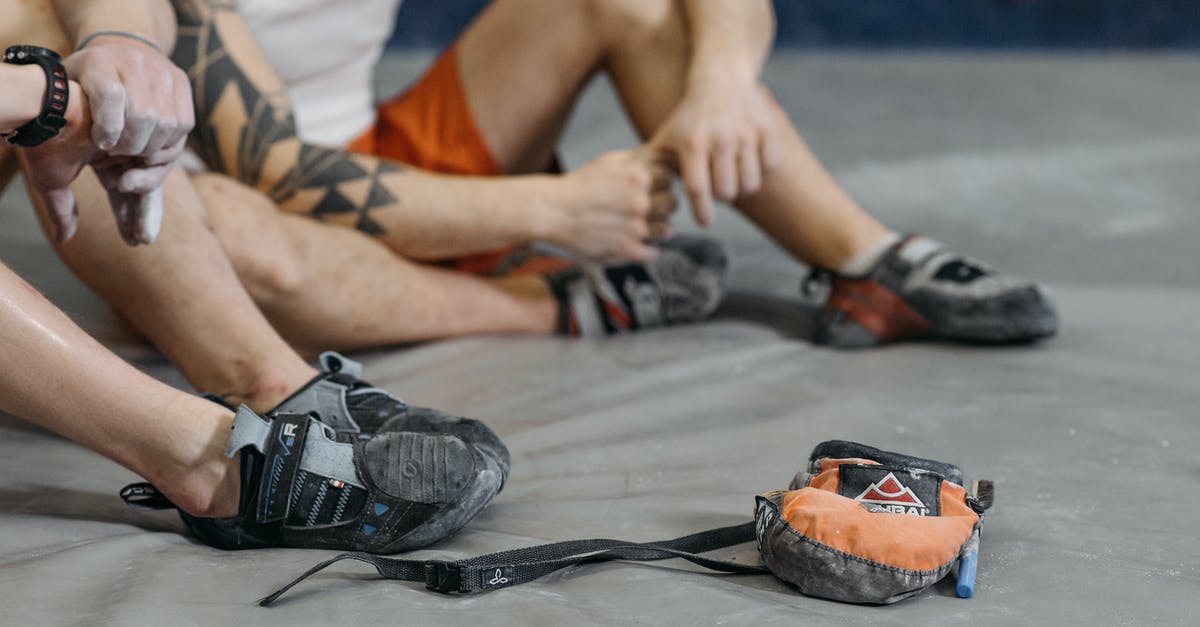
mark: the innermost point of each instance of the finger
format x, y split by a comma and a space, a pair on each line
660, 175
638, 230
162, 134
750, 169
166, 156
663, 206
166, 121
658, 225
655, 152
769, 152
660, 231
724, 170
639, 252
125, 212
694, 166
185, 112
109, 171
60, 209
147, 218
107, 98
140, 123
142, 180
109, 176
120, 206
135, 138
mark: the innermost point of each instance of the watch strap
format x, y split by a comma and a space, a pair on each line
52, 118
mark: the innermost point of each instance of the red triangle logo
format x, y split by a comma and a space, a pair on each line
888, 491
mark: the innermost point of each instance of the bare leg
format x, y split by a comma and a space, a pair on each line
65, 381
183, 294
521, 96
325, 286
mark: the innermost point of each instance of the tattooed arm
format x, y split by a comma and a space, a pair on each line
245, 128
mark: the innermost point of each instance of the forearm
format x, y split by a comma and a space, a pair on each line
730, 38
152, 19
421, 215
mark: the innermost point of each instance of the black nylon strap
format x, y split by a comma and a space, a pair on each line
52, 118
517, 566
281, 463
145, 496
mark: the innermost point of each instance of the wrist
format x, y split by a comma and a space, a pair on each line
153, 20
120, 36
28, 95
539, 200
717, 77
79, 116
49, 119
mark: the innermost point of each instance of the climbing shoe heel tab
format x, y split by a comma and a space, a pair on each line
336, 362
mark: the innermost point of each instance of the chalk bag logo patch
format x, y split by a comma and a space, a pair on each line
892, 496
764, 514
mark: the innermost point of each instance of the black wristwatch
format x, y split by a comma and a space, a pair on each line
54, 110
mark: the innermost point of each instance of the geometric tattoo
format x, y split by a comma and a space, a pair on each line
248, 131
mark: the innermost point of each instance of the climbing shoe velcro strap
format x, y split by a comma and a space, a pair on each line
282, 452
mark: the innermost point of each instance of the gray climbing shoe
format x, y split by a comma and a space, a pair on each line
346, 403
684, 284
305, 485
919, 289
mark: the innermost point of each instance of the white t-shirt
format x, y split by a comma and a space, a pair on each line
325, 51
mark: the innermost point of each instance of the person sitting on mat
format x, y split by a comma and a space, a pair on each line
353, 467
457, 175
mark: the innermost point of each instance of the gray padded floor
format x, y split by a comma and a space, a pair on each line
1081, 171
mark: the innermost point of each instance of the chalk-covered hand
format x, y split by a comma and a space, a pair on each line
138, 114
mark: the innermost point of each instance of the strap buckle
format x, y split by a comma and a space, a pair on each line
443, 577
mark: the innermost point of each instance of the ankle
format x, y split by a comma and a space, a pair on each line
263, 390
538, 305
209, 491
867, 254
191, 469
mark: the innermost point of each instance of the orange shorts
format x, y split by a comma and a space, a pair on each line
430, 126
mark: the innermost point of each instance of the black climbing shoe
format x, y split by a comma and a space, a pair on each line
305, 485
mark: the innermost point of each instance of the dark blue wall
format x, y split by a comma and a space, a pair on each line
912, 23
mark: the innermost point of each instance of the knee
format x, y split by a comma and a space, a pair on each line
631, 13
272, 275
633, 17
251, 229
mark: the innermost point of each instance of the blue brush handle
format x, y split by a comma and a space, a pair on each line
966, 574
